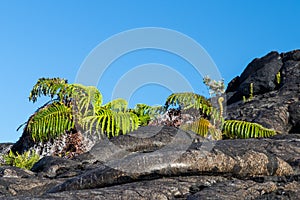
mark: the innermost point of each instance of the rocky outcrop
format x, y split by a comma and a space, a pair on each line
276, 90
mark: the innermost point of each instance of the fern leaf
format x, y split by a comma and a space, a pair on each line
242, 129
200, 127
48, 87
117, 105
86, 99
49, 122
187, 100
111, 123
203, 127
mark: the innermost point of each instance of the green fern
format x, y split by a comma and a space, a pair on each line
25, 160
49, 87
111, 123
117, 105
76, 104
146, 113
200, 127
85, 99
50, 121
188, 100
278, 77
204, 128
243, 129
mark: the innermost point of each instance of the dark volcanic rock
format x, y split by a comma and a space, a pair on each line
233, 85
294, 119
52, 167
166, 188
292, 55
239, 158
262, 73
275, 105
177, 167
15, 181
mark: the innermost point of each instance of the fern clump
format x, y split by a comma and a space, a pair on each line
79, 107
210, 121
25, 160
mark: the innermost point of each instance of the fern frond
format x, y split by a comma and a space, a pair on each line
200, 127
243, 129
48, 87
86, 99
188, 100
117, 105
111, 123
50, 122
204, 128
145, 112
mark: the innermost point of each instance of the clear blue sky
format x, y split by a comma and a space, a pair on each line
52, 39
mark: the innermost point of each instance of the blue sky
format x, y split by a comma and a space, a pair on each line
52, 39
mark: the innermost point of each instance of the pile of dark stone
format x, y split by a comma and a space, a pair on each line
275, 103
164, 162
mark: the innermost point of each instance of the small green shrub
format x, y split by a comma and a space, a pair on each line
25, 160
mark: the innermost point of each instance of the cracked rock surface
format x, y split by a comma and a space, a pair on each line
228, 169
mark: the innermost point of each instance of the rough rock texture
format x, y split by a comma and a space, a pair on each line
275, 104
176, 166
67, 145
4, 149
175, 117
15, 181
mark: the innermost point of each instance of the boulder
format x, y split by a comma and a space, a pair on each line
261, 72
274, 105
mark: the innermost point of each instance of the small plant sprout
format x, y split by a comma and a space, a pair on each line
251, 95
251, 91
278, 77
